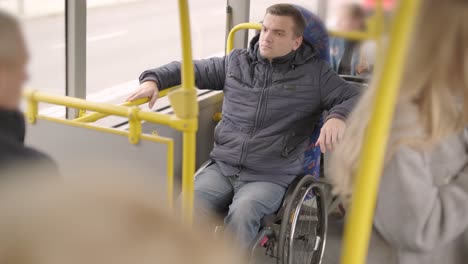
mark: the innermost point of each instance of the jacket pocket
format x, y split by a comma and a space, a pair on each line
293, 145
218, 130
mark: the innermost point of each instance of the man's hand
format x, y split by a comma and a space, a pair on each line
331, 133
362, 68
148, 89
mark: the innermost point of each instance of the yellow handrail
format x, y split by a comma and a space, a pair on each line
34, 97
353, 35
185, 105
232, 33
334, 33
188, 77
359, 222
93, 117
134, 114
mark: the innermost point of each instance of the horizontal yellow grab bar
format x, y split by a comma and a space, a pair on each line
78, 103
154, 138
124, 111
93, 117
352, 35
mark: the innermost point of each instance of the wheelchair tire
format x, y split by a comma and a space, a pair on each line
302, 234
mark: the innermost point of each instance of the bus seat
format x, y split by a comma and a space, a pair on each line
316, 34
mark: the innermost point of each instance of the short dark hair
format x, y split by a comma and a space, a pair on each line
290, 11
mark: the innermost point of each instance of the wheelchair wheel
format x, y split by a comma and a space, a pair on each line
304, 224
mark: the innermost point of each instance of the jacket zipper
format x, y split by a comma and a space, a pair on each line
258, 114
265, 103
262, 105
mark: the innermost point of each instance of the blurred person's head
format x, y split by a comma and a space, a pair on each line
96, 220
282, 30
435, 80
13, 61
351, 17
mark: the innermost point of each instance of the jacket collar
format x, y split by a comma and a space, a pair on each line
279, 60
12, 125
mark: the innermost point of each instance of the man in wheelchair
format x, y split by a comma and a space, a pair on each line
274, 95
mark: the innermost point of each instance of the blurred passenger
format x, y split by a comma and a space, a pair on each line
96, 220
422, 208
350, 57
274, 93
13, 61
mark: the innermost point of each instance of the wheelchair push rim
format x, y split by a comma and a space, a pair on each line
292, 226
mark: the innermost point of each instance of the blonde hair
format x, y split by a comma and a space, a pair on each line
434, 82
10, 34
95, 221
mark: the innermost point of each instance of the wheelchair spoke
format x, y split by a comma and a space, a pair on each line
303, 244
309, 220
303, 225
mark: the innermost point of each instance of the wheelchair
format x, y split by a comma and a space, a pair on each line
297, 232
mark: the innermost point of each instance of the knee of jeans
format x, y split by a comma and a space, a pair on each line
246, 210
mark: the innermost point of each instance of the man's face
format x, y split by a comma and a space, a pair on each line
12, 77
277, 37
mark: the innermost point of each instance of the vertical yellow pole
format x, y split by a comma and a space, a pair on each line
32, 106
170, 174
189, 145
359, 222
188, 175
188, 79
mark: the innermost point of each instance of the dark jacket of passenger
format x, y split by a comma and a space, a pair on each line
269, 108
14, 154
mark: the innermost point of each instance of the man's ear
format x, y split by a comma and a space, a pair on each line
298, 42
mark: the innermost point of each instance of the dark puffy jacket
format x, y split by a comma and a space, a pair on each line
269, 108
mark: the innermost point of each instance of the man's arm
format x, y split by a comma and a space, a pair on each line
338, 97
209, 74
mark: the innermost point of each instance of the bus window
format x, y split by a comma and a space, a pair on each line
125, 39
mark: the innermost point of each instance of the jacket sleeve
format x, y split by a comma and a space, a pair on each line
413, 213
209, 74
336, 95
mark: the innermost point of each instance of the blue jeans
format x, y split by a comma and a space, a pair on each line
246, 202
